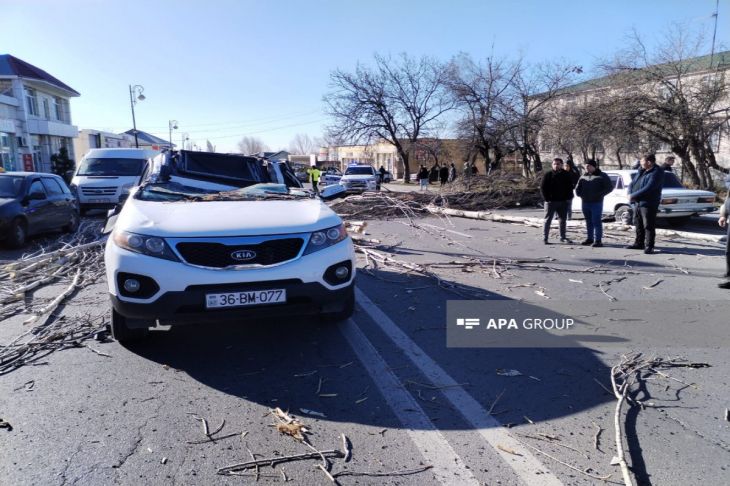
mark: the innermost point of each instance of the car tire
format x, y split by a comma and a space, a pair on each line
124, 334
624, 215
347, 310
18, 233
73, 225
677, 222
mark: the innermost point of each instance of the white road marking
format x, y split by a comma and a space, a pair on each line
526, 466
436, 450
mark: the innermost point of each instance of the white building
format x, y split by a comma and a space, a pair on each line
91, 139
35, 116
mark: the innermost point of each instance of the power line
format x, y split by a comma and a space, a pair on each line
230, 125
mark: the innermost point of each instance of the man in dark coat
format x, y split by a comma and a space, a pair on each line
645, 193
443, 175
557, 189
592, 187
668, 163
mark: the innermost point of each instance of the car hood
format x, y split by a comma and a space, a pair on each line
225, 218
7, 202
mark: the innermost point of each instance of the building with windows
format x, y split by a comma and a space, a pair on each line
91, 139
35, 116
696, 80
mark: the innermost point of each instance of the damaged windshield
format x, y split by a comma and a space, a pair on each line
174, 191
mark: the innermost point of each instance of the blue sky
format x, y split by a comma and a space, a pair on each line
225, 69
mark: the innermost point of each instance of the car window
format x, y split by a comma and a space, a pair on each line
10, 186
359, 171
619, 182
52, 186
110, 167
36, 187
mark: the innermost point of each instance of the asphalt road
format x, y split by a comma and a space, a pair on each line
388, 381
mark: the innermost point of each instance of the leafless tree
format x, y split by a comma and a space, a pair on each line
675, 96
533, 90
303, 144
209, 146
251, 145
397, 100
481, 91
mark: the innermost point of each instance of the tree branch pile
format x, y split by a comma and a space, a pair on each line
74, 264
499, 190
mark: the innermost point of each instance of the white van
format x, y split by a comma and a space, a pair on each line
104, 177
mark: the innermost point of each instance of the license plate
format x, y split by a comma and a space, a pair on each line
249, 297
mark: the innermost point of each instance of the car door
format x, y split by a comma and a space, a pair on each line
38, 211
617, 197
62, 204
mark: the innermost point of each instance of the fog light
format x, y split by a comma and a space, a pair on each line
131, 285
342, 272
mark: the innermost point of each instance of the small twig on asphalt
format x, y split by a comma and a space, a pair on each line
407, 472
494, 403
272, 461
539, 451
599, 429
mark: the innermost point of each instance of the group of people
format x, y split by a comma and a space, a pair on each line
645, 193
444, 174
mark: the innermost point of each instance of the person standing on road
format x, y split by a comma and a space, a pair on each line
723, 222
668, 163
592, 187
452, 172
314, 174
645, 193
382, 174
423, 178
556, 189
443, 175
574, 174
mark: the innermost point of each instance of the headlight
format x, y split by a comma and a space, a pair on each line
127, 188
325, 238
146, 245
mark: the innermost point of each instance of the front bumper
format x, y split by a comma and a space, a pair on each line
180, 289
188, 306
678, 212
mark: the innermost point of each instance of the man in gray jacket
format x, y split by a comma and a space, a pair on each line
592, 187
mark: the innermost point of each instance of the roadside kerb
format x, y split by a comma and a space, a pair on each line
537, 222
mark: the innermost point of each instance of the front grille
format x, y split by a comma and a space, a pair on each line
99, 191
218, 255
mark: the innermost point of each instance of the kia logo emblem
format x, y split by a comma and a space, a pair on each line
243, 255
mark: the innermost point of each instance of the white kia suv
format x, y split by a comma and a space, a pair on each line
360, 178
208, 237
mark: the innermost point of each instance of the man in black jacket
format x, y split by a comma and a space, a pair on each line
645, 194
557, 190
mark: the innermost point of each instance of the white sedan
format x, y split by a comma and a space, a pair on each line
677, 206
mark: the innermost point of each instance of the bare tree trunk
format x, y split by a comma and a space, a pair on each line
406, 168
688, 167
618, 158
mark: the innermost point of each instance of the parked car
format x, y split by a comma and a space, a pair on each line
104, 177
360, 178
387, 177
219, 236
33, 203
330, 176
678, 204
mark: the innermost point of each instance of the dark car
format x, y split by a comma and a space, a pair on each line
33, 203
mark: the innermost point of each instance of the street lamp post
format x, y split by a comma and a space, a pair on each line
184, 138
135, 93
172, 125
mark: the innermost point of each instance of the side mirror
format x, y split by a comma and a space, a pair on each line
111, 220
